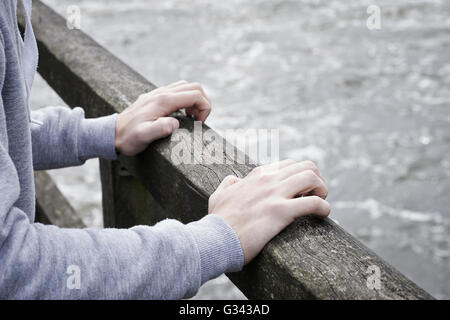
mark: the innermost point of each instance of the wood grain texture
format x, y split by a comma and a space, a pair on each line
311, 259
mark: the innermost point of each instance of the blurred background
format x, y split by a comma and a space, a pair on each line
370, 107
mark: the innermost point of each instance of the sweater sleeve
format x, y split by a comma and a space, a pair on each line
167, 261
62, 137
170, 260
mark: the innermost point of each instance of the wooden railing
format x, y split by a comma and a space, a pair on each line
310, 259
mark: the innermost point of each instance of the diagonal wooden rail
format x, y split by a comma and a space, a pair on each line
51, 205
311, 259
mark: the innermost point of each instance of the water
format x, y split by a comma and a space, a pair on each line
371, 108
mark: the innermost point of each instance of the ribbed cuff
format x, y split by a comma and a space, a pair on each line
97, 138
219, 247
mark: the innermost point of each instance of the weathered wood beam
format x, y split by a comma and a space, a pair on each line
51, 205
312, 259
126, 202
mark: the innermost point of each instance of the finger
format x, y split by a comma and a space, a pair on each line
150, 131
163, 89
272, 167
176, 84
298, 167
228, 181
302, 183
189, 86
189, 112
201, 115
303, 206
281, 164
187, 99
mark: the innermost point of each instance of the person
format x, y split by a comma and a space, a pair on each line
169, 260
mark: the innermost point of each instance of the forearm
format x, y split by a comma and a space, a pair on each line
62, 137
167, 261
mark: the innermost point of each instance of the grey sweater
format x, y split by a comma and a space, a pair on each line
167, 261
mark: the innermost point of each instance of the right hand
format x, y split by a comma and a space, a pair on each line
268, 199
147, 119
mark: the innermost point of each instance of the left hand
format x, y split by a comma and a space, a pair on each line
146, 120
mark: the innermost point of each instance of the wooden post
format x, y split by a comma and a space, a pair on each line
126, 202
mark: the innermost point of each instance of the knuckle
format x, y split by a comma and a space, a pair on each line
161, 98
311, 176
309, 163
315, 202
197, 85
197, 93
265, 177
142, 96
290, 161
256, 170
311, 166
325, 187
229, 178
328, 208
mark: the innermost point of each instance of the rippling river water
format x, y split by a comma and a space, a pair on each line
371, 108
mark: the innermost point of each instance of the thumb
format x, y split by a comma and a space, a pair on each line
228, 181
160, 128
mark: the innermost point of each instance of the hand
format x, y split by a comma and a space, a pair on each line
146, 119
274, 195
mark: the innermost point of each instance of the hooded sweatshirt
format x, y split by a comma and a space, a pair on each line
170, 260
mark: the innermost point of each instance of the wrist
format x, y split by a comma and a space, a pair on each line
118, 136
219, 247
97, 138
